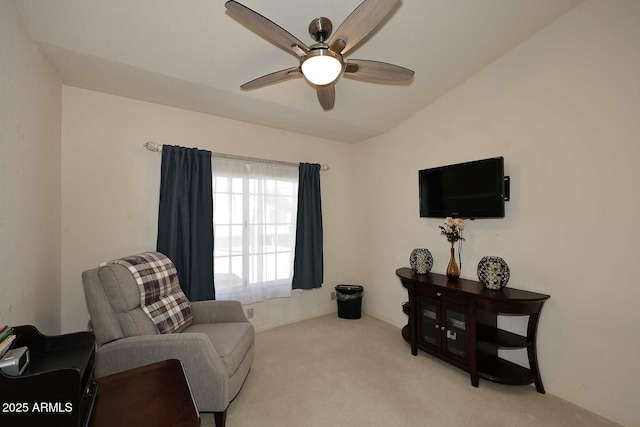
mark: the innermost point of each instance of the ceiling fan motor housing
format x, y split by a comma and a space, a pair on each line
320, 29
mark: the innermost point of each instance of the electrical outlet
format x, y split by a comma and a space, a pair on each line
333, 296
250, 313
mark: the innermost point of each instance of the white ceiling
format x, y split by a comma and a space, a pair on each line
191, 54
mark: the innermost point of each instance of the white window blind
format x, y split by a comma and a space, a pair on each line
254, 218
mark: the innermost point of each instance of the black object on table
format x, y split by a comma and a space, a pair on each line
58, 387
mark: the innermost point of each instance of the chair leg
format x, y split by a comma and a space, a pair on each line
220, 418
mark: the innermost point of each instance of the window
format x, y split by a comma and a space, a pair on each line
254, 219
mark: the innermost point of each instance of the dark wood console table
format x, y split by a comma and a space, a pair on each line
456, 321
154, 395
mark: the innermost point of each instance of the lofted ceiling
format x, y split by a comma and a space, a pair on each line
191, 54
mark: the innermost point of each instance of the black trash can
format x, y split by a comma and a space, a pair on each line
349, 301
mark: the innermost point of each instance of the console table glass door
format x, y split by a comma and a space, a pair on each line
443, 327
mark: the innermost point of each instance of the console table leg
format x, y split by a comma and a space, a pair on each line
532, 352
413, 319
533, 365
475, 380
220, 418
472, 344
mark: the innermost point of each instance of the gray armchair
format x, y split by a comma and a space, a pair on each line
216, 349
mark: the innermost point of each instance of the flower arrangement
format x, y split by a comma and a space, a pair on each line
453, 229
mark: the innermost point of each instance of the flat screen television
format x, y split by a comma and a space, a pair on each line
475, 189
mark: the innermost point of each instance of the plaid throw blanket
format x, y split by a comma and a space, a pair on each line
160, 295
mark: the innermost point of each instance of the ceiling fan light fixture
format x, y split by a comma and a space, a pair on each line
321, 67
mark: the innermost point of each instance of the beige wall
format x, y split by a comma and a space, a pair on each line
111, 184
29, 180
563, 109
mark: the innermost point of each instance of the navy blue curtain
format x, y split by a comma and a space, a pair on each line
308, 265
185, 218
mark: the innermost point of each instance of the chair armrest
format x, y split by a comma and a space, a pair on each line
217, 312
206, 372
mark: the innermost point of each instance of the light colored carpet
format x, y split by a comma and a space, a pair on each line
329, 371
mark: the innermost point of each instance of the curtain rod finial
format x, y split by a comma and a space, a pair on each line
153, 146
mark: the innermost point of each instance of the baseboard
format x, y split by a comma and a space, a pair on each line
385, 320
302, 319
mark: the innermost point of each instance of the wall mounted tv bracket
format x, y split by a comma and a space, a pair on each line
507, 188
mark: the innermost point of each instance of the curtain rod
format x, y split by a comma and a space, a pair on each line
154, 146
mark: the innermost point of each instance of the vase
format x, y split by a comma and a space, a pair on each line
453, 271
493, 272
421, 260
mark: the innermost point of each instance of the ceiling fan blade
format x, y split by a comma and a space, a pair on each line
267, 29
327, 96
361, 22
278, 76
376, 70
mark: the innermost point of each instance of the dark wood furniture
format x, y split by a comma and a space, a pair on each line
57, 387
456, 321
154, 395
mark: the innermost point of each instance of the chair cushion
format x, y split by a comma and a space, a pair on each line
231, 340
103, 321
123, 295
161, 297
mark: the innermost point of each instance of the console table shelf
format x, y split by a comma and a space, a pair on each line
500, 338
502, 371
456, 321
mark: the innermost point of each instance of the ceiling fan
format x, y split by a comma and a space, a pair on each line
323, 63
